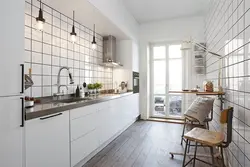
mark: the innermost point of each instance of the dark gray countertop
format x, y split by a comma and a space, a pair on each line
41, 110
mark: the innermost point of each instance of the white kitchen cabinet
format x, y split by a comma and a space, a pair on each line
12, 138
12, 46
135, 105
94, 125
83, 146
48, 141
135, 56
84, 139
128, 55
105, 122
83, 121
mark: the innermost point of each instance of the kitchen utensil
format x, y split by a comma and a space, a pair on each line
28, 81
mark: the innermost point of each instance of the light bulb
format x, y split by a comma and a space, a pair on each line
73, 38
40, 25
94, 46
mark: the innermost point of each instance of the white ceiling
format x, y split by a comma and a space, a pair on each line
155, 10
87, 14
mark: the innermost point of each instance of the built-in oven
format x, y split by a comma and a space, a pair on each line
136, 82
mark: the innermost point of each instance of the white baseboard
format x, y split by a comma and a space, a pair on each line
91, 155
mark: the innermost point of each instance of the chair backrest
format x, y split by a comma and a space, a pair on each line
229, 121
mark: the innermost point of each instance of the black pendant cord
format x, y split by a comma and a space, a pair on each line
40, 11
73, 27
94, 30
94, 42
73, 18
40, 14
41, 4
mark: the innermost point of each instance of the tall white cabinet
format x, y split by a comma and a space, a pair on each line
11, 87
12, 47
11, 134
127, 53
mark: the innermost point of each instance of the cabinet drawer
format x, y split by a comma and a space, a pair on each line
83, 111
83, 125
82, 147
103, 105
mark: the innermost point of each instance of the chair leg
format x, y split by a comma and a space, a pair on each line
207, 125
183, 131
212, 155
189, 141
195, 150
222, 157
185, 153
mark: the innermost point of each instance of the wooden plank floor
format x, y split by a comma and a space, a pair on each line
144, 144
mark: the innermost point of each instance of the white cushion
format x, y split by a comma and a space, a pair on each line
200, 108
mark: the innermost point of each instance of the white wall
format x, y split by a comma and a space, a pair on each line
168, 30
173, 30
119, 15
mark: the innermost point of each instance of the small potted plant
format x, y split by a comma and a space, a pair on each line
98, 86
91, 88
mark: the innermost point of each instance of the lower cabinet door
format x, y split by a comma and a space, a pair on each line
11, 134
48, 141
83, 146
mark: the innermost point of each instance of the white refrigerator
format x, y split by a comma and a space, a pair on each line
12, 110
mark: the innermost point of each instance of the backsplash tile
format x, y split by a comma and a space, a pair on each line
47, 51
228, 33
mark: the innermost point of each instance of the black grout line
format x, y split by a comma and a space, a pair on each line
81, 48
68, 41
52, 9
233, 26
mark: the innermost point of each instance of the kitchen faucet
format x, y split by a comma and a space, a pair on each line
59, 81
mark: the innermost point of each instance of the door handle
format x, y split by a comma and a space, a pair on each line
43, 118
22, 78
23, 112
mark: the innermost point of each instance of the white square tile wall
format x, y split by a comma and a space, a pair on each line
47, 51
228, 33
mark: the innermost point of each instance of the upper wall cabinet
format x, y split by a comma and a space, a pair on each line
128, 54
12, 47
135, 49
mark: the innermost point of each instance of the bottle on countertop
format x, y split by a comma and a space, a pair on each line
77, 91
85, 89
81, 91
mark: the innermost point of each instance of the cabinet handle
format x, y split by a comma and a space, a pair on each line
22, 78
50, 116
23, 112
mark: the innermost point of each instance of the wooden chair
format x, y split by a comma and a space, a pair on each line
195, 123
211, 139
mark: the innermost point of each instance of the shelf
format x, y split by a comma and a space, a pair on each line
199, 93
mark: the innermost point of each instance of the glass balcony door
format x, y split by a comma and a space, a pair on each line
166, 74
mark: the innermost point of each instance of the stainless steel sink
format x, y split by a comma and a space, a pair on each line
73, 100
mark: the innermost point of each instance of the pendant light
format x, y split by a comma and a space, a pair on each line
73, 33
94, 45
40, 20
